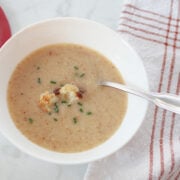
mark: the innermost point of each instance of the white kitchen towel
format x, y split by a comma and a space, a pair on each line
152, 28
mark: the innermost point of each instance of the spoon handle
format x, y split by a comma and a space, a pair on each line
167, 101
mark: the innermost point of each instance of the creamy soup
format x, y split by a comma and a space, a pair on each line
54, 99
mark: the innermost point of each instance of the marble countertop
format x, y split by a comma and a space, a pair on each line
14, 164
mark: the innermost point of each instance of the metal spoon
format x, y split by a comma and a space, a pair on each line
167, 101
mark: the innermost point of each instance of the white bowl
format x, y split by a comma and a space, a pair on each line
90, 34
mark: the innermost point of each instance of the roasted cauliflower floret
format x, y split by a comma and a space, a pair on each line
47, 100
69, 93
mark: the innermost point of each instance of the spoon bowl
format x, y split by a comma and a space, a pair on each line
167, 101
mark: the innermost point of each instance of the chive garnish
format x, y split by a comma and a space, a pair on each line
53, 82
69, 105
30, 120
55, 119
38, 68
56, 108
82, 75
79, 103
88, 113
39, 80
81, 110
75, 120
76, 68
63, 102
61, 85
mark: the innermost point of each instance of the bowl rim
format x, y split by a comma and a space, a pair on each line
104, 155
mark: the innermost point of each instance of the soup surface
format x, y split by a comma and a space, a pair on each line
82, 118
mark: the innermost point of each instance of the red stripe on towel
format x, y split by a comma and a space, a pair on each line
171, 143
159, 89
146, 38
177, 177
152, 144
141, 37
150, 12
161, 141
145, 24
149, 32
147, 18
171, 131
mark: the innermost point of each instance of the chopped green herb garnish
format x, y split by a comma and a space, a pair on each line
63, 102
81, 110
53, 82
76, 68
56, 108
75, 120
61, 85
30, 120
79, 103
69, 105
39, 80
88, 113
38, 68
55, 119
82, 75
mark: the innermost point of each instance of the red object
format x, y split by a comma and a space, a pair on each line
5, 31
